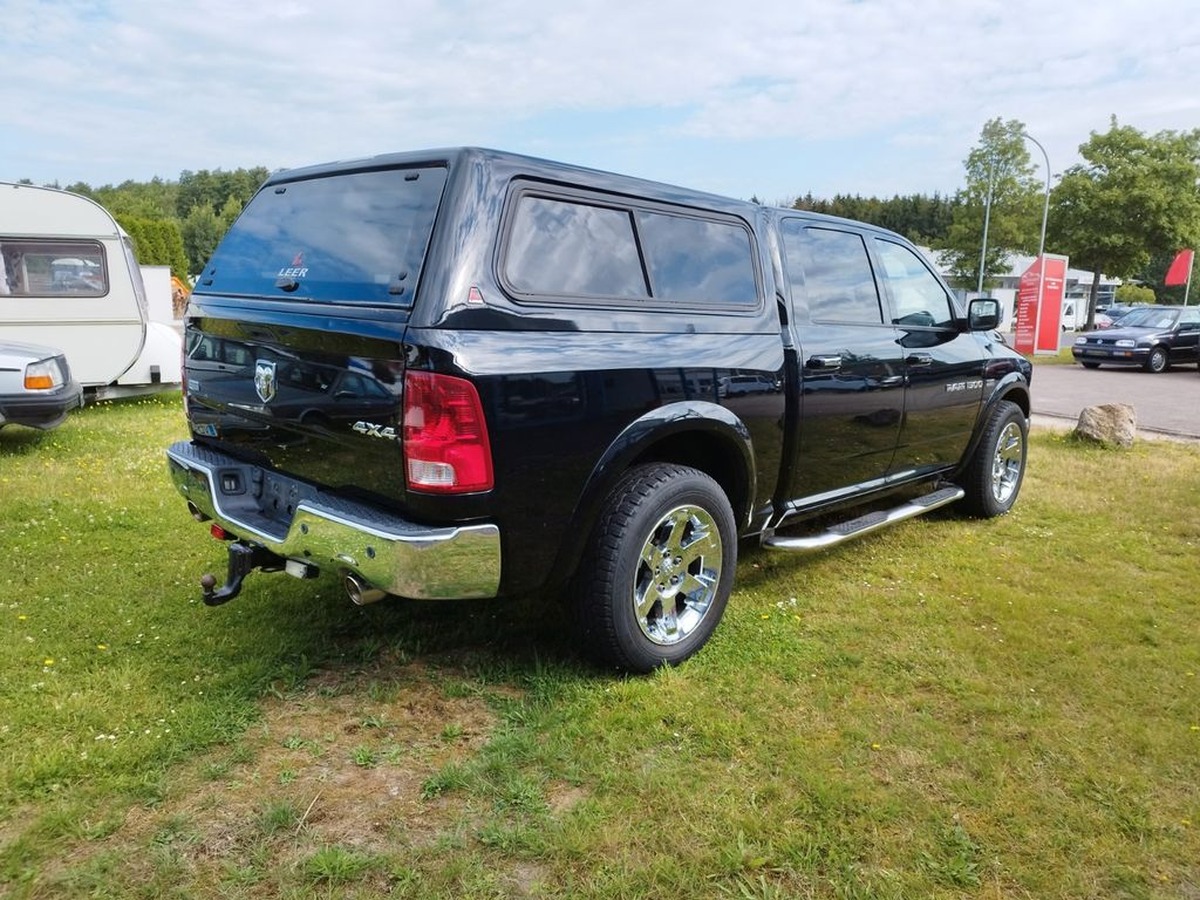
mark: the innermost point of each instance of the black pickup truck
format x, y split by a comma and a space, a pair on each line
471, 374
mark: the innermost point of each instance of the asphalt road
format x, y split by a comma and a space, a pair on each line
1168, 403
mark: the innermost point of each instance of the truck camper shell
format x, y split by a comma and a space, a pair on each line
69, 279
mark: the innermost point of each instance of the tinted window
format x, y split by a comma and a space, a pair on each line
568, 248
698, 260
830, 269
917, 295
31, 267
353, 238
560, 247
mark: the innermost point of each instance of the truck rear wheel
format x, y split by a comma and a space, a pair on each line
993, 477
661, 568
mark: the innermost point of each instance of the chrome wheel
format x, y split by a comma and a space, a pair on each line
1008, 463
677, 577
654, 588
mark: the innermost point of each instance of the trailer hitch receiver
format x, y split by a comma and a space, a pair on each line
243, 559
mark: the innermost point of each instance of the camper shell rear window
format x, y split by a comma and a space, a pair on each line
357, 237
39, 267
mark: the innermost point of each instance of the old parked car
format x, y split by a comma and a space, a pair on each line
1152, 337
36, 387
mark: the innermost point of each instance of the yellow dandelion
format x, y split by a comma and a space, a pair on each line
22, 617
47, 661
102, 646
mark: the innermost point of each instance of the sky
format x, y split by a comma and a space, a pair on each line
772, 99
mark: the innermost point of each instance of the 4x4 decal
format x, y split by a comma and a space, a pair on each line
370, 429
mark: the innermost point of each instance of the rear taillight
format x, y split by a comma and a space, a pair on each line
446, 447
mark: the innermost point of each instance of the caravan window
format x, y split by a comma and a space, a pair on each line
31, 267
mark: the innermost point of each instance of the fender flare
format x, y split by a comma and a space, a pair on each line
1013, 387
655, 436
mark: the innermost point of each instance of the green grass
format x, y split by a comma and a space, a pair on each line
1062, 358
951, 708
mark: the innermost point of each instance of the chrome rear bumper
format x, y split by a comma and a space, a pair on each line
321, 529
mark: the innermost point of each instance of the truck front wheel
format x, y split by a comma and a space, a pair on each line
661, 568
993, 477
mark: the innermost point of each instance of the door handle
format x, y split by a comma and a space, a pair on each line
824, 362
919, 359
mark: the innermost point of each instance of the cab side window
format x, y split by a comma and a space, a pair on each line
918, 298
830, 270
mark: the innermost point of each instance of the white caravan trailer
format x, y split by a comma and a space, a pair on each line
69, 279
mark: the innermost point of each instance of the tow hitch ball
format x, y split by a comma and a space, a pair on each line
243, 559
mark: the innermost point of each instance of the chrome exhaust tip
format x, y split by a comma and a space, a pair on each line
360, 591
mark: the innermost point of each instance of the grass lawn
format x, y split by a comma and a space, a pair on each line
951, 708
1062, 358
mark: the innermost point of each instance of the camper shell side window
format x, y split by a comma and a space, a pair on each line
565, 246
40, 267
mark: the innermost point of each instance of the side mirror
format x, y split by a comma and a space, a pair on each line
984, 314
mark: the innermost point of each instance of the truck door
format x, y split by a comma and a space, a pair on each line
851, 369
943, 364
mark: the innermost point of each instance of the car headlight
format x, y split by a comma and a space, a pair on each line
43, 376
1126, 343
1081, 340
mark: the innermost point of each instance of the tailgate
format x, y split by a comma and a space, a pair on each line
324, 407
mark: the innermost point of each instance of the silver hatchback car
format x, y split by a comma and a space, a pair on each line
36, 387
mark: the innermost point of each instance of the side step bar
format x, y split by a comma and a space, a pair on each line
874, 521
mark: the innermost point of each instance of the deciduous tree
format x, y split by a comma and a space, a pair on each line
1133, 197
1002, 192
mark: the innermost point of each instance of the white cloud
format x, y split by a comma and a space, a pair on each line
102, 91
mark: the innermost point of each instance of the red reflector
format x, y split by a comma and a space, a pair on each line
218, 532
446, 446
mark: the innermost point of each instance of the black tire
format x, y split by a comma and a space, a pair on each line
660, 570
1090, 365
1158, 360
992, 478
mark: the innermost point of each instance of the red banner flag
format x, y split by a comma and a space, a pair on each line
1181, 268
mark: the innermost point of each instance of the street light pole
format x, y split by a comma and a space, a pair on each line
1037, 326
987, 216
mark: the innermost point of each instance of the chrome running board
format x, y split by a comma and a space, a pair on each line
874, 521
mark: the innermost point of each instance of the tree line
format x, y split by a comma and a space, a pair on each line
177, 223
1125, 210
